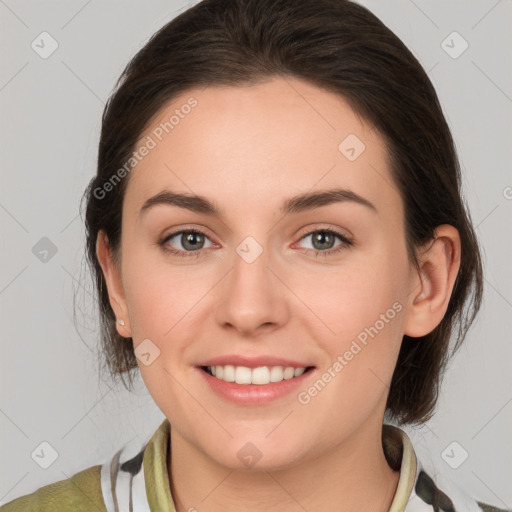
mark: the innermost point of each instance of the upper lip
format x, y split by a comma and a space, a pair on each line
253, 362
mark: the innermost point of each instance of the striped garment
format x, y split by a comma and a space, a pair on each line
135, 479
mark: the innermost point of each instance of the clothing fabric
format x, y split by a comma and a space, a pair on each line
135, 479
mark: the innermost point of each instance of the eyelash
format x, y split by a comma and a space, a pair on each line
346, 243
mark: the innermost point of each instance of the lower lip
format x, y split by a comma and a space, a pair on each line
254, 394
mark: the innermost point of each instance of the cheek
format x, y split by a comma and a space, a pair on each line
363, 305
363, 310
354, 295
159, 294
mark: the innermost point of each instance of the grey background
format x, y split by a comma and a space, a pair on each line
51, 110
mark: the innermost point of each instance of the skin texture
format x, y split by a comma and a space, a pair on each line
249, 149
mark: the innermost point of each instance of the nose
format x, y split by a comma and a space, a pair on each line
252, 298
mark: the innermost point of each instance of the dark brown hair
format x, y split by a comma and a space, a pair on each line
342, 47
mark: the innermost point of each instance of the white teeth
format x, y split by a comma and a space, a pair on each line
228, 373
259, 375
288, 372
276, 374
242, 375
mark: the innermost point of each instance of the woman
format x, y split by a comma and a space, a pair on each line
280, 246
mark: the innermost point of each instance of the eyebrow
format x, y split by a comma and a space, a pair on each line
296, 204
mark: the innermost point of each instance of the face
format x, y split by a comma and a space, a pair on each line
260, 279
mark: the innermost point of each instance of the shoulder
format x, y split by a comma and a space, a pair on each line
443, 493
79, 493
423, 487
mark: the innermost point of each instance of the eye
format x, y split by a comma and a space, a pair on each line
323, 241
191, 241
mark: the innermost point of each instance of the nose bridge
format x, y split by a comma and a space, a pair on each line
250, 266
251, 296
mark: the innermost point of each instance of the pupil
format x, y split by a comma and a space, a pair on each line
321, 236
189, 240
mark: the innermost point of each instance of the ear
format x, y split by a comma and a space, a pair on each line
432, 286
114, 283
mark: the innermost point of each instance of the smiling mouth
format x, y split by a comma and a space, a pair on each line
261, 375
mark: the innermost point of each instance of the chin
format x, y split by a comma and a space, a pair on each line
255, 456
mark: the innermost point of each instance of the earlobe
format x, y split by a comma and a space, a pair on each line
431, 290
114, 285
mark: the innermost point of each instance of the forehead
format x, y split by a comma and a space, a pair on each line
255, 144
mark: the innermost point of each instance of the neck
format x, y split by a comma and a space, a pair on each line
343, 475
